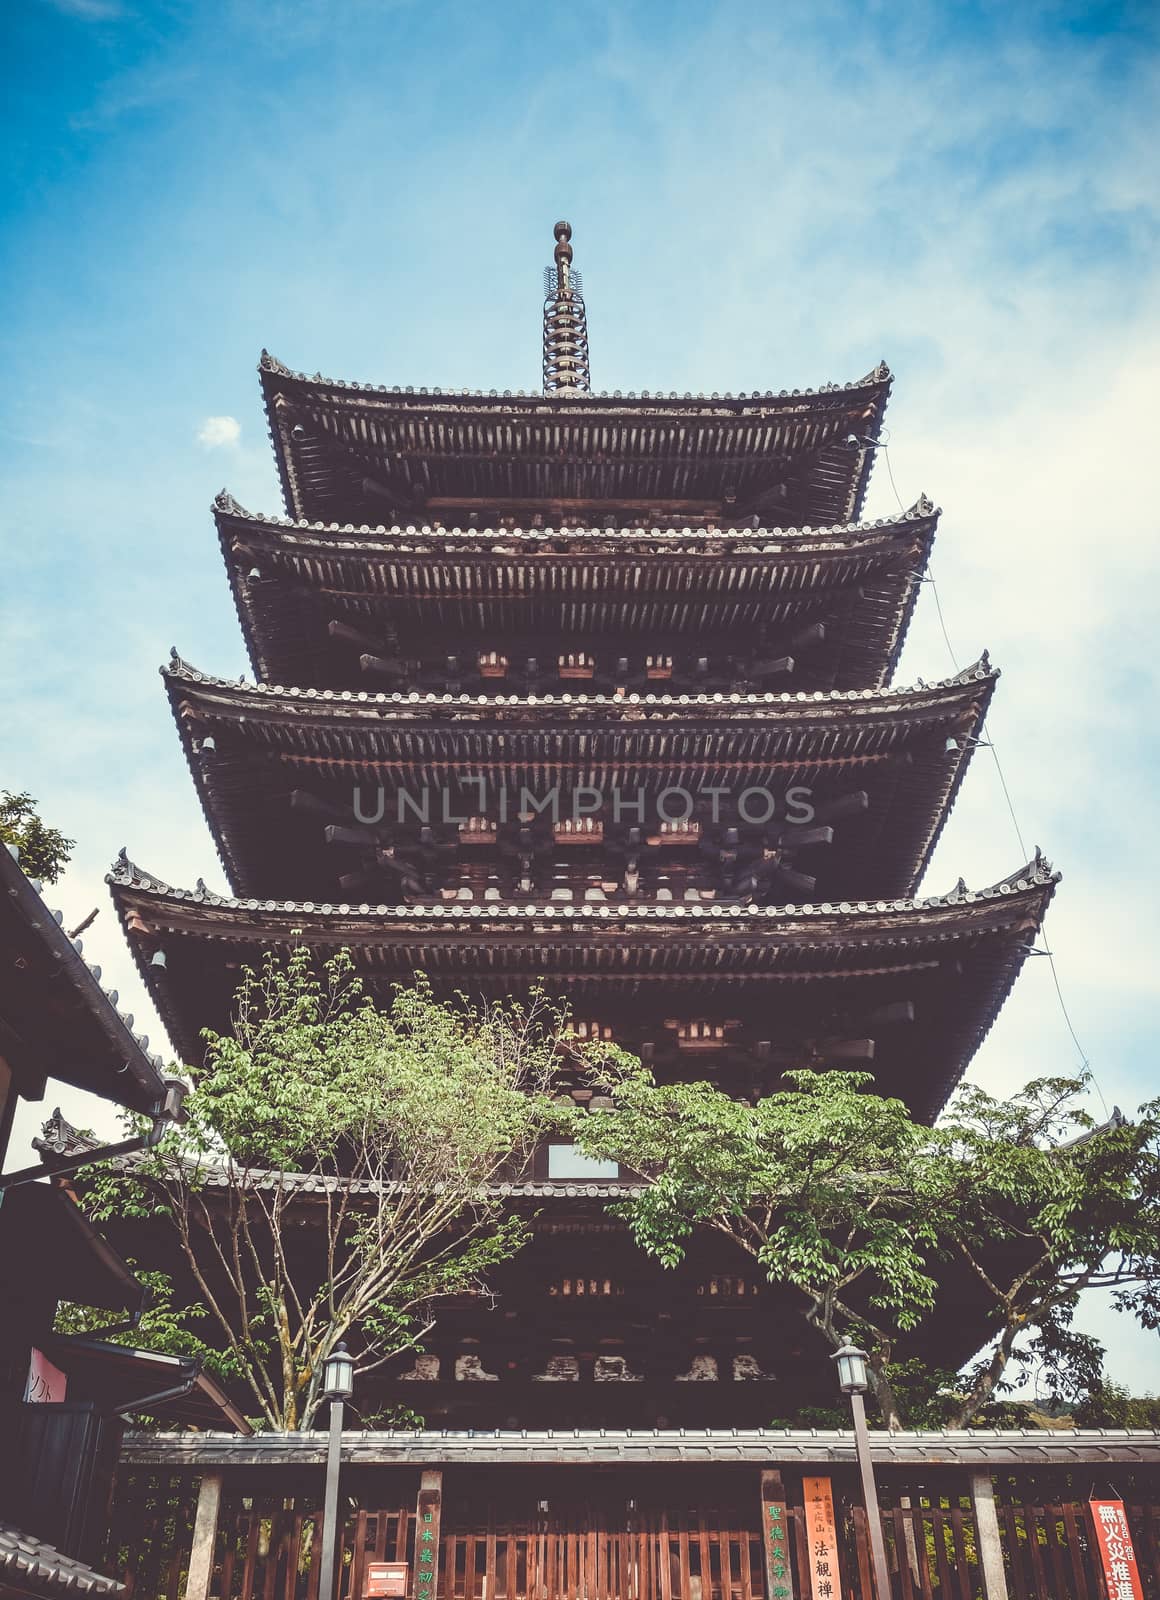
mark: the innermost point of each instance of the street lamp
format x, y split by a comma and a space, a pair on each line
337, 1387
852, 1380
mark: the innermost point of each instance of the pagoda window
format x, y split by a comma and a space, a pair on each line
576, 666
477, 830
578, 830
588, 1030
727, 1288
592, 1288
567, 1161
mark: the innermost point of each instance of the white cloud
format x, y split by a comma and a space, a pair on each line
218, 432
88, 10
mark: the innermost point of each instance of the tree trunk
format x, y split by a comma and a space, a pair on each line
820, 1316
988, 1380
883, 1391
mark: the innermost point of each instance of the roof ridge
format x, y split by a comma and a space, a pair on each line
879, 375
1037, 873
923, 509
979, 670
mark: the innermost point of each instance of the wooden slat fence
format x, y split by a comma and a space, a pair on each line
150, 1532
594, 1553
1049, 1552
614, 1538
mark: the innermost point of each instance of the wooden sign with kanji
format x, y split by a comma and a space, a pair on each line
1117, 1554
429, 1512
821, 1539
775, 1534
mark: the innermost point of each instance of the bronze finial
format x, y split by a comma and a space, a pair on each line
563, 253
565, 322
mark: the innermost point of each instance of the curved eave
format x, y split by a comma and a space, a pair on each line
806, 422
501, 568
375, 738
55, 1018
617, 948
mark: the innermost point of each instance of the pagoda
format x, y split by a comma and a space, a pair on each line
594, 692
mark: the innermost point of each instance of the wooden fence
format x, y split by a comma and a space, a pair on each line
683, 1534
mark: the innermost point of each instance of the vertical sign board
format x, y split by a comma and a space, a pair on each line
46, 1384
1117, 1557
428, 1517
775, 1534
821, 1539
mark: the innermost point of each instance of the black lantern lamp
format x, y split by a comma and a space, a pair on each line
851, 1368
337, 1387
852, 1377
338, 1375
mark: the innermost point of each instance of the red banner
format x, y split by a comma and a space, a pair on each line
1117, 1556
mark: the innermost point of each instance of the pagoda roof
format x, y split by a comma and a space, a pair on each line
345, 448
950, 959
56, 1021
434, 583
271, 742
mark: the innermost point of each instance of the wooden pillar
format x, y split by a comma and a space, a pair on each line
205, 1523
775, 1537
428, 1519
904, 1504
987, 1540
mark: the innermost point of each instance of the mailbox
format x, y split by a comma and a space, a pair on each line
386, 1579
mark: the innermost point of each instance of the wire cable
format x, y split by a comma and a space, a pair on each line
1085, 1060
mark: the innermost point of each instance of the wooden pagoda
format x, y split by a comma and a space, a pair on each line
594, 691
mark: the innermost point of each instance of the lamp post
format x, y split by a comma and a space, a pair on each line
852, 1378
337, 1387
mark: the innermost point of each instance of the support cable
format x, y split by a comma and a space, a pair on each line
1085, 1059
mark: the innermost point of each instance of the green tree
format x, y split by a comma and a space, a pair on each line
334, 1179
840, 1195
1110, 1405
44, 852
1041, 1204
816, 1182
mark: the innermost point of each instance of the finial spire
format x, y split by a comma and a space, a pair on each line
565, 322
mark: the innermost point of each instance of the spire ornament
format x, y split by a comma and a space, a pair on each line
565, 322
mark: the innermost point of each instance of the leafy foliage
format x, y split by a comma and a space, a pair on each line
331, 1181
842, 1197
1109, 1405
44, 851
1041, 1204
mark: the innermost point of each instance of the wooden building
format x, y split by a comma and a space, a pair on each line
63, 1399
595, 691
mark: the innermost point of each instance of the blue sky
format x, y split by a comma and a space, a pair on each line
762, 196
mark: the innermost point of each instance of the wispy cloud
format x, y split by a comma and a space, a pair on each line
88, 10
216, 433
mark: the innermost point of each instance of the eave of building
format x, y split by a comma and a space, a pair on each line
961, 951
682, 582
998, 1449
55, 1018
269, 740
365, 442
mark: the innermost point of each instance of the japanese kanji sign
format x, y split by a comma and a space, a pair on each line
430, 1508
46, 1383
821, 1539
1117, 1557
775, 1532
